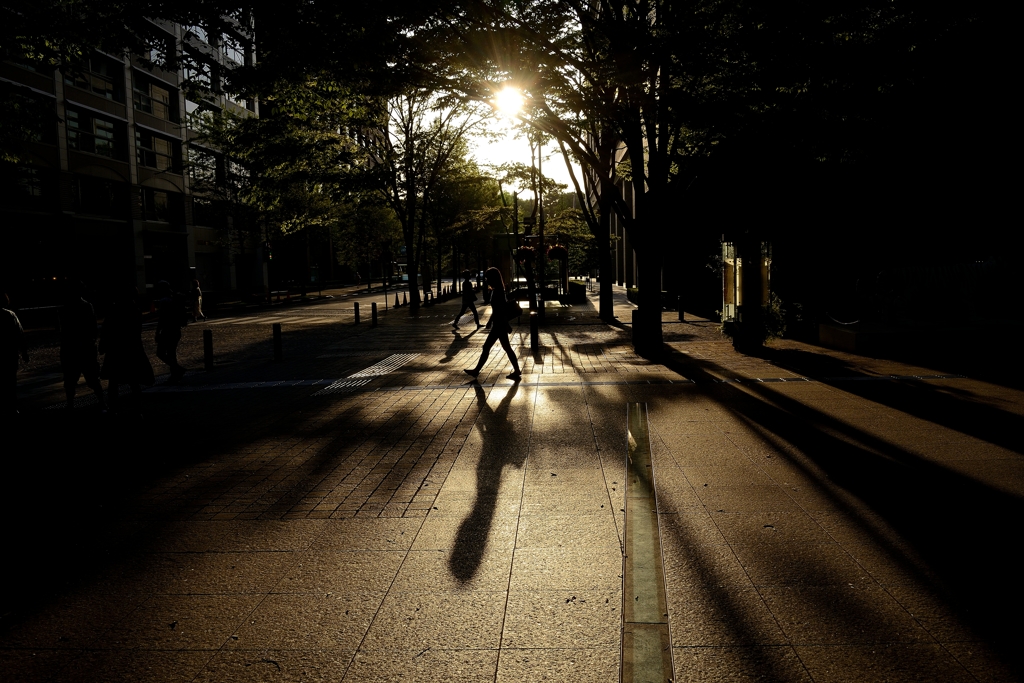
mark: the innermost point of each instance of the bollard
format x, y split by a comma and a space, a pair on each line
405, 299
679, 304
208, 350
373, 314
396, 300
357, 313
534, 331
278, 353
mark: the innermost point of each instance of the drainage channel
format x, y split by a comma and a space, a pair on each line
646, 649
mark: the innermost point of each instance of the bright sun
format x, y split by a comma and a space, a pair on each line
509, 101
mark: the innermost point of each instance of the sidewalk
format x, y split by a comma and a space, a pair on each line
363, 512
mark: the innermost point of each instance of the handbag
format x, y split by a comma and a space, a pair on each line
514, 310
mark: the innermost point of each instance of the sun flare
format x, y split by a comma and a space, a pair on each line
509, 101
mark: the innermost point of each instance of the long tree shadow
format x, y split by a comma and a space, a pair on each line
955, 533
500, 449
938, 404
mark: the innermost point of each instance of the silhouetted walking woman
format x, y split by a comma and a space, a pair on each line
500, 328
12, 343
195, 296
78, 344
124, 359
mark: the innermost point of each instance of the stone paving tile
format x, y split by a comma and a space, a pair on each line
333, 572
575, 665
438, 620
465, 567
367, 534
303, 621
882, 662
564, 619
574, 568
181, 622
275, 665
720, 664
723, 612
424, 665
841, 614
129, 666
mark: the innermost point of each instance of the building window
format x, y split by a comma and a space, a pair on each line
97, 197
87, 133
99, 75
160, 52
153, 151
197, 32
198, 116
236, 172
159, 206
233, 49
202, 168
24, 187
152, 99
200, 75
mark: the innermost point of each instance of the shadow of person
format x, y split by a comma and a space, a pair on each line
500, 448
459, 343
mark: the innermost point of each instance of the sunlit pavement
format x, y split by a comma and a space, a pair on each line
361, 511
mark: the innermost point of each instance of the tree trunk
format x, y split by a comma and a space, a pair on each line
606, 308
647, 338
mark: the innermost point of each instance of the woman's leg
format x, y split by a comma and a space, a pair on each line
505, 344
492, 337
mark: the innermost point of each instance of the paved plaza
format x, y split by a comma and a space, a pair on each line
364, 511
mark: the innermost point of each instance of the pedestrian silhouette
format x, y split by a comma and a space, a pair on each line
78, 345
195, 295
468, 297
171, 318
124, 358
12, 344
500, 328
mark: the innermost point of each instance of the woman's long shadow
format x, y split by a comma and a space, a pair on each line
499, 449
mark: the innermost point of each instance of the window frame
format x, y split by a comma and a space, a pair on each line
144, 154
89, 76
84, 135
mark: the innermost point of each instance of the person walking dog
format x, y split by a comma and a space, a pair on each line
501, 311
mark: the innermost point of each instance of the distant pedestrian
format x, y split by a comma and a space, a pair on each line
170, 319
500, 328
78, 345
195, 296
468, 297
124, 358
12, 344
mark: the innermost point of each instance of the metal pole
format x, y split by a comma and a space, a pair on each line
208, 350
373, 312
542, 257
357, 312
278, 353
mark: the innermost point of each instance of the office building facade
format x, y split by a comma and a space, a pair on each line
116, 186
